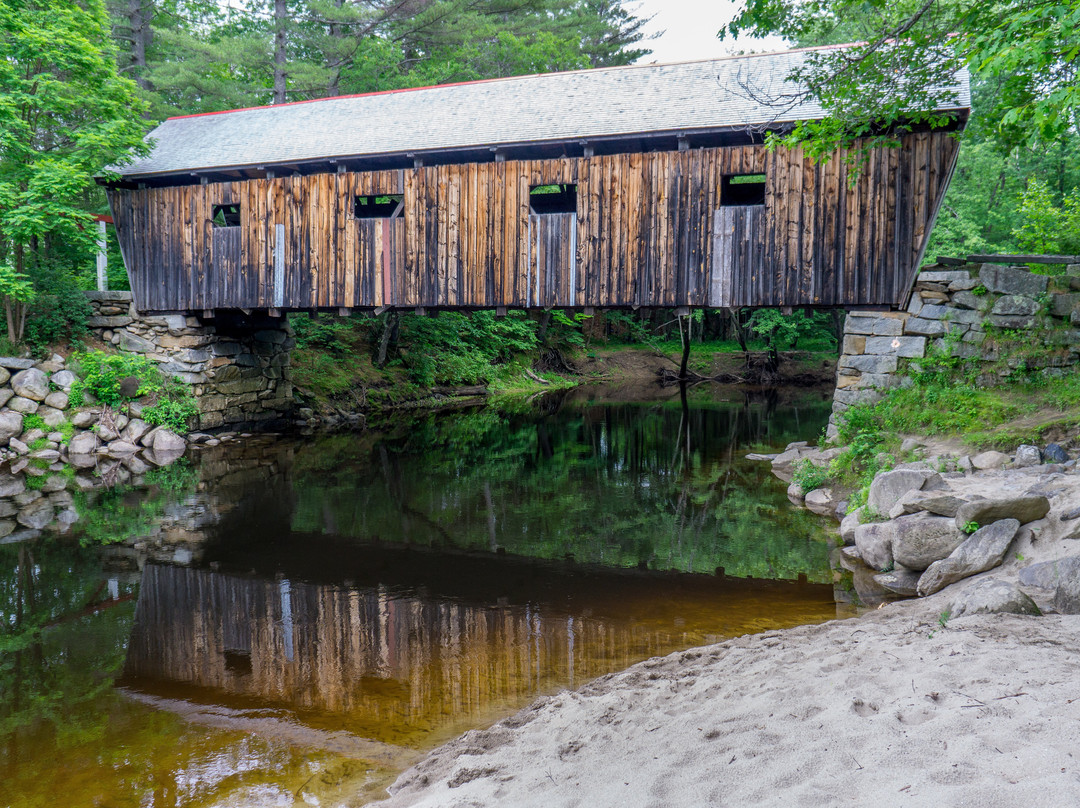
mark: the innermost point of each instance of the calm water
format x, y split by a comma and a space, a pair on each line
292, 621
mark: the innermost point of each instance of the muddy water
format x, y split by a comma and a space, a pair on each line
292, 621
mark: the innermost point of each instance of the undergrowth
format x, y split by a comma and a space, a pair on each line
102, 376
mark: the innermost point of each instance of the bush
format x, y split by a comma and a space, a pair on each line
58, 312
810, 477
455, 349
101, 375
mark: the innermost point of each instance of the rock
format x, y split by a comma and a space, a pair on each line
106, 433
6, 527
982, 550
18, 446
942, 504
848, 525
166, 441
992, 596
83, 443
920, 540
989, 460
26, 497
82, 461
795, 494
63, 379
84, 419
909, 445
55, 483
16, 363
134, 430
135, 465
908, 503
782, 464
1048, 574
24, 405
986, 511
1053, 453
11, 485
120, 449
31, 383
129, 386
52, 416
901, 581
1012, 281
11, 424
19, 465
1067, 586
889, 486
36, 515
162, 458
1027, 456
874, 543
1015, 304
130, 342
4, 375
58, 400
48, 455
821, 501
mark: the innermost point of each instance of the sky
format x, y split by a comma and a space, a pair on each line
690, 28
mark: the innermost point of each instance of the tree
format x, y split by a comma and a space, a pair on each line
910, 50
65, 115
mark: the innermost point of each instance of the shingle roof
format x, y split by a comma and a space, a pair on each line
634, 100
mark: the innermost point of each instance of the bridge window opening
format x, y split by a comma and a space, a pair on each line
742, 189
238, 662
226, 216
553, 199
386, 206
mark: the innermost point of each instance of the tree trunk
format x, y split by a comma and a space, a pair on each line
384, 340
281, 18
685, 334
334, 62
139, 14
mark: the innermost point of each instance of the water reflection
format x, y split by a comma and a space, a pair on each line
311, 614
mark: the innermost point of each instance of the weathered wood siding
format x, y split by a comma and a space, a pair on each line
644, 234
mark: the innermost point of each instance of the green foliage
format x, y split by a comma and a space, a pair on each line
786, 331
453, 348
100, 374
970, 527
808, 476
33, 421
59, 310
1045, 226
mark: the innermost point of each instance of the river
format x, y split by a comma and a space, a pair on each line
292, 620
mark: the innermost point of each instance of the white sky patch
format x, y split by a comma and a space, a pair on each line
690, 28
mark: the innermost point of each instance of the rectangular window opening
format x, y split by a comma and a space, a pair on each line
386, 206
553, 199
742, 189
226, 215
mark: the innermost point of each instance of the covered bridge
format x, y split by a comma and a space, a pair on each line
632, 186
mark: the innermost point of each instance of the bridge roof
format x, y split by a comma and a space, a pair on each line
712, 95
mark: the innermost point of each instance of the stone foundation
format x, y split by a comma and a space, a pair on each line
238, 366
1005, 320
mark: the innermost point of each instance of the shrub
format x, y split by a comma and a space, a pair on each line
101, 374
808, 476
58, 312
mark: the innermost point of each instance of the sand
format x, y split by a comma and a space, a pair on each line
887, 709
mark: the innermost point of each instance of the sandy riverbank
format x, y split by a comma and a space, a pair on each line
888, 709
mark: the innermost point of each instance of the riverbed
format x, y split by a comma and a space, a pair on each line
295, 619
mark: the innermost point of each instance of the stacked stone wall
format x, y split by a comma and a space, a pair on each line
238, 367
1006, 319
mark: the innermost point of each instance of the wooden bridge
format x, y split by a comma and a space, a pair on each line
643, 186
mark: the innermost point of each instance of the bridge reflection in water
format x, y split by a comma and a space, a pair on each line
411, 665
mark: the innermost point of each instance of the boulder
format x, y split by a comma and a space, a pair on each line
166, 441
795, 493
120, 449
36, 515
909, 503
83, 443
52, 416
11, 485
48, 455
5, 374
134, 430
1067, 585
848, 525
942, 504
5, 396
985, 511
6, 527
874, 543
821, 501
981, 551
1027, 456
992, 596
163, 458
1012, 281
889, 486
63, 379
55, 483
900, 581
783, 463
989, 460
920, 540
16, 363
31, 383
82, 461
1053, 453
84, 419
1048, 574
16, 445
24, 405
1015, 304
11, 424
58, 400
